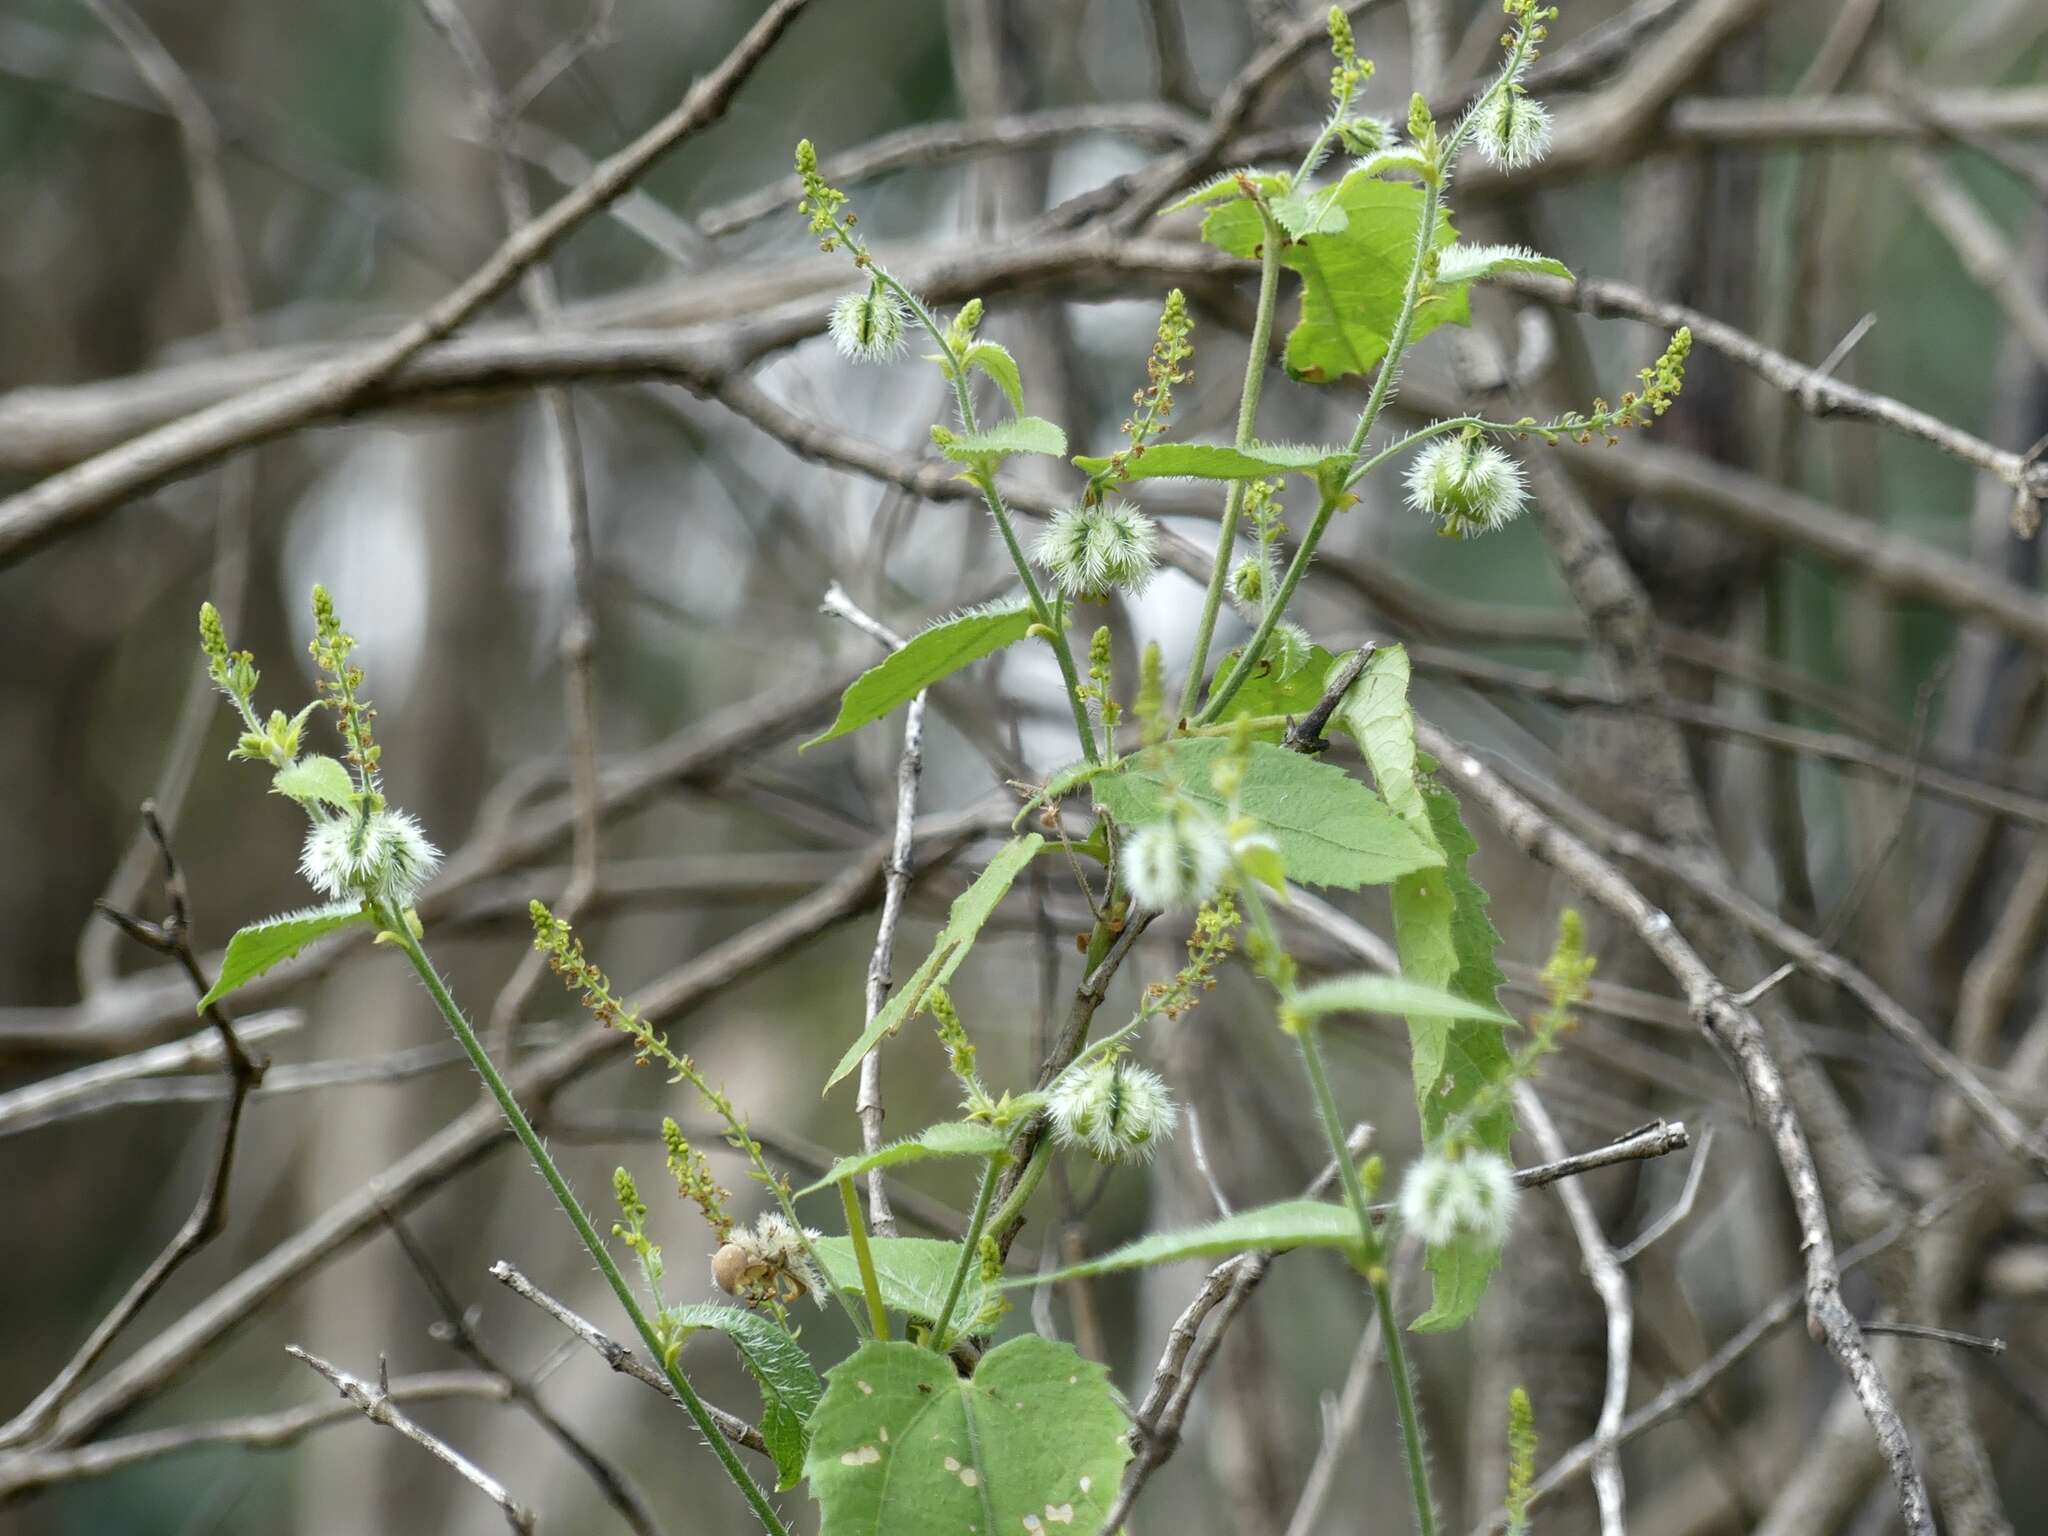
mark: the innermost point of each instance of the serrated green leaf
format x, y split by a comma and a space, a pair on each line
1020, 434
1459, 1272
314, 779
1375, 711
262, 946
1445, 940
1397, 996
1331, 829
903, 1445
790, 1389
994, 359
1219, 461
930, 655
913, 1274
953, 1138
1284, 1224
1353, 282
971, 909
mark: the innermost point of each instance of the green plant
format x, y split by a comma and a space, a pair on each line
1209, 810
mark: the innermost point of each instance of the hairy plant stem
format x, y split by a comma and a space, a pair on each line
1434, 187
1050, 619
394, 923
864, 1258
1371, 1251
1027, 1185
969, 1250
1233, 500
1332, 499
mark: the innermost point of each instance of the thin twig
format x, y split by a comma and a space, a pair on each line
199, 140
243, 420
619, 1357
457, 1329
37, 1469
376, 1404
1605, 1271
1736, 1031
1680, 1209
210, 1211
867, 1102
570, 492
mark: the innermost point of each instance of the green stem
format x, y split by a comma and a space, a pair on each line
1372, 1251
1376, 1275
1027, 1184
1404, 1403
1382, 390
969, 1251
1308, 1038
864, 1258
1056, 632
1233, 500
394, 923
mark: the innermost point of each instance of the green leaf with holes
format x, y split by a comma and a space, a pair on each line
261, 946
971, 908
1033, 1444
1331, 829
928, 656
790, 1389
1353, 276
1353, 281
